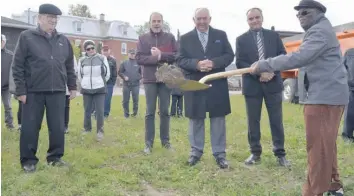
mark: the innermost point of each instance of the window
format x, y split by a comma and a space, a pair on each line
124, 48
78, 26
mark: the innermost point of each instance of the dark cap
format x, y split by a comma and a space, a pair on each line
132, 51
105, 48
310, 4
49, 9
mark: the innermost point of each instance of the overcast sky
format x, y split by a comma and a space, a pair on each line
228, 15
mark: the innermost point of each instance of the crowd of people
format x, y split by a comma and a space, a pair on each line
45, 71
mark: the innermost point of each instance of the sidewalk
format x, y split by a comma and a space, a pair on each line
118, 91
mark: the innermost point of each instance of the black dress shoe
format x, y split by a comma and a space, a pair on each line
57, 163
283, 162
193, 160
29, 168
253, 159
222, 163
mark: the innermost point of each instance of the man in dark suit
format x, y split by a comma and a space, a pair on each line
259, 43
203, 51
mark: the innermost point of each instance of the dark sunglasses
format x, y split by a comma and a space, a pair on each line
302, 13
88, 49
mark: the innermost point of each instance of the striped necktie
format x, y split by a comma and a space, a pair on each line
260, 46
203, 40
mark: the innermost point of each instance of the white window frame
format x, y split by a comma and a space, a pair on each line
123, 48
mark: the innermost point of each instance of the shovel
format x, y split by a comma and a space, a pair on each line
193, 85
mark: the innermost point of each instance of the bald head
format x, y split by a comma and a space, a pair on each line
202, 19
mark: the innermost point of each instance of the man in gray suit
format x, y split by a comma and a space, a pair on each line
325, 95
203, 51
256, 44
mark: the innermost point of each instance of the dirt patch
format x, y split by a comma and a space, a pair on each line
151, 191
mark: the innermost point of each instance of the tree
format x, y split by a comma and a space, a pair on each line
80, 10
141, 29
77, 50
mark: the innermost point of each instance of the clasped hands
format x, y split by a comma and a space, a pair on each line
205, 65
265, 76
156, 52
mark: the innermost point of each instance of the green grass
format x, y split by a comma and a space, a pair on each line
117, 166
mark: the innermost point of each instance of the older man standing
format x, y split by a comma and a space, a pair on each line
6, 60
325, 95
43, 67
206, 50
155, 47
348, 125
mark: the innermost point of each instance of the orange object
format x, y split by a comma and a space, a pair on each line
346, 40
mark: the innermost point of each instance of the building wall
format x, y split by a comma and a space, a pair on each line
117, 46
12, 35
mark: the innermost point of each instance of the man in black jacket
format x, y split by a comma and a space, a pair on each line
130, 72
112, 80
6, 60
259, 43
43, 67
203, 51
348, 125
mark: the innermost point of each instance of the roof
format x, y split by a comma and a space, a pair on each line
8, 22
337, 29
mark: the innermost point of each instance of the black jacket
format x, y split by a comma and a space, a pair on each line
6, 60
214, 100
43, 64
247, 54
113, 68
349, 65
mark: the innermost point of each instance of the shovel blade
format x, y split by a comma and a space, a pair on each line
192, 85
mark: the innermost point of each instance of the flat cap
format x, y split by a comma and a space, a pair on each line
49, 9
310, 4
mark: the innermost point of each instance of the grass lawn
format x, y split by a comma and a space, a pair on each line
117, 166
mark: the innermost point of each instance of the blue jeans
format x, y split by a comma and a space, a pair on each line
108, 99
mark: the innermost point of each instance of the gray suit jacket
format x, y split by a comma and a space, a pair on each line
320, 56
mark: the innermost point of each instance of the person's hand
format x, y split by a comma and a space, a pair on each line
155, 51
205, 65
22, 98
72, 94
126, 78
254, 67
266, 76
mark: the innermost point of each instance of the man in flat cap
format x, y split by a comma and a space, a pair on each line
43, 68
324, 95
130, 72
6, 60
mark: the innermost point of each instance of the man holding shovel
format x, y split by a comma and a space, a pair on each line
203, 51
325, 95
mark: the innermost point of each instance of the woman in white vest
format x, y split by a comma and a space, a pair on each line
93, 72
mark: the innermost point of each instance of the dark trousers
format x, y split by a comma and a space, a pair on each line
19, 112
98, 100
33, 110
177, 105
134, 91
6, 101
67, 111
273, 102
152, 91
108, 99
348, 125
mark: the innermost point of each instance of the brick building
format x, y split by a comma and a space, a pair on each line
120, 36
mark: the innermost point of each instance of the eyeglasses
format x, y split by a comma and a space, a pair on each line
302, 13
89, 49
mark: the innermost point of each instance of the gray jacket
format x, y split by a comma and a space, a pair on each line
349, 65
132, 70
326, 80
6, 61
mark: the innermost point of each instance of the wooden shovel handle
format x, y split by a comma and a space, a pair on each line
225, 74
